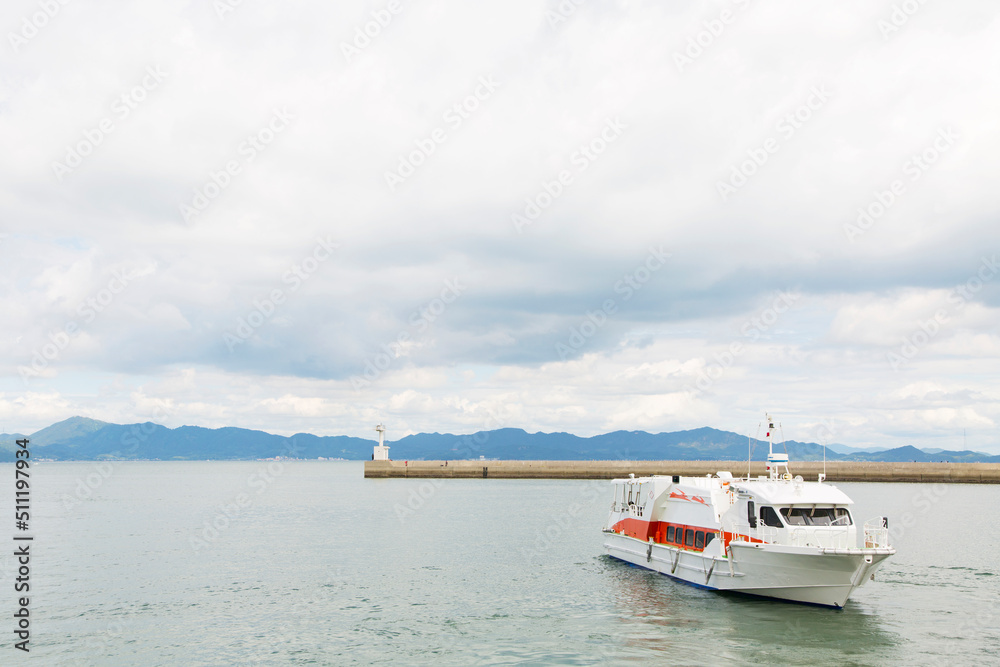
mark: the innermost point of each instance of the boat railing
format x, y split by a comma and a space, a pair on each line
877, 532
759, 533
829, 537
836, 537
767, 534
631, 508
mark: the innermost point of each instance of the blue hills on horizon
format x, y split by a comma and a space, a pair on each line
84, 439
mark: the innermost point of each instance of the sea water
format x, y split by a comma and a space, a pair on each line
229, 563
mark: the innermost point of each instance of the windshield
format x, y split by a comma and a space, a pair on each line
816, 516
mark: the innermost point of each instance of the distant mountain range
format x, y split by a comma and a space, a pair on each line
82, 439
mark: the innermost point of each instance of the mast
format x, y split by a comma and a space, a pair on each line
774, 461
824, 461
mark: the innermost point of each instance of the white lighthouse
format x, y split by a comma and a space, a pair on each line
381, 449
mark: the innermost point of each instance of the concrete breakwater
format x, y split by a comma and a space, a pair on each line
836, 471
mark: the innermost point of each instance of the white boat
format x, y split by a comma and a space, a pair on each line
774, 536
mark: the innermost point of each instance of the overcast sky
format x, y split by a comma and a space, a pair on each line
451, 216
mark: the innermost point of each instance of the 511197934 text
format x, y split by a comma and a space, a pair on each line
22, 543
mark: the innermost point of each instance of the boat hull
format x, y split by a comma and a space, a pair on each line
810, 575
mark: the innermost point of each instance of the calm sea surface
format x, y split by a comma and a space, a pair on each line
223, 563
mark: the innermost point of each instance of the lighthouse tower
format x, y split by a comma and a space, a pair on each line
381, 449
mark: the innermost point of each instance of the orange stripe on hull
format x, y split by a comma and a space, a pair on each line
643, 530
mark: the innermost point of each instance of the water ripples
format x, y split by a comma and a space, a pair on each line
322, 569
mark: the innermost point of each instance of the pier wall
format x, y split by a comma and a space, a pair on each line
836, 471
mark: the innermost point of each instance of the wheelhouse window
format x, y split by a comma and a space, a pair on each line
816, 516
688, 538
699, 540
670, 533
708, 538
769, 517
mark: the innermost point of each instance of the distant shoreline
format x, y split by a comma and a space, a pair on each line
836, 471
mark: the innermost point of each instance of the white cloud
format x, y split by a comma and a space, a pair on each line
161, 339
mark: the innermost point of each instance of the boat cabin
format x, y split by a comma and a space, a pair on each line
795, 514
